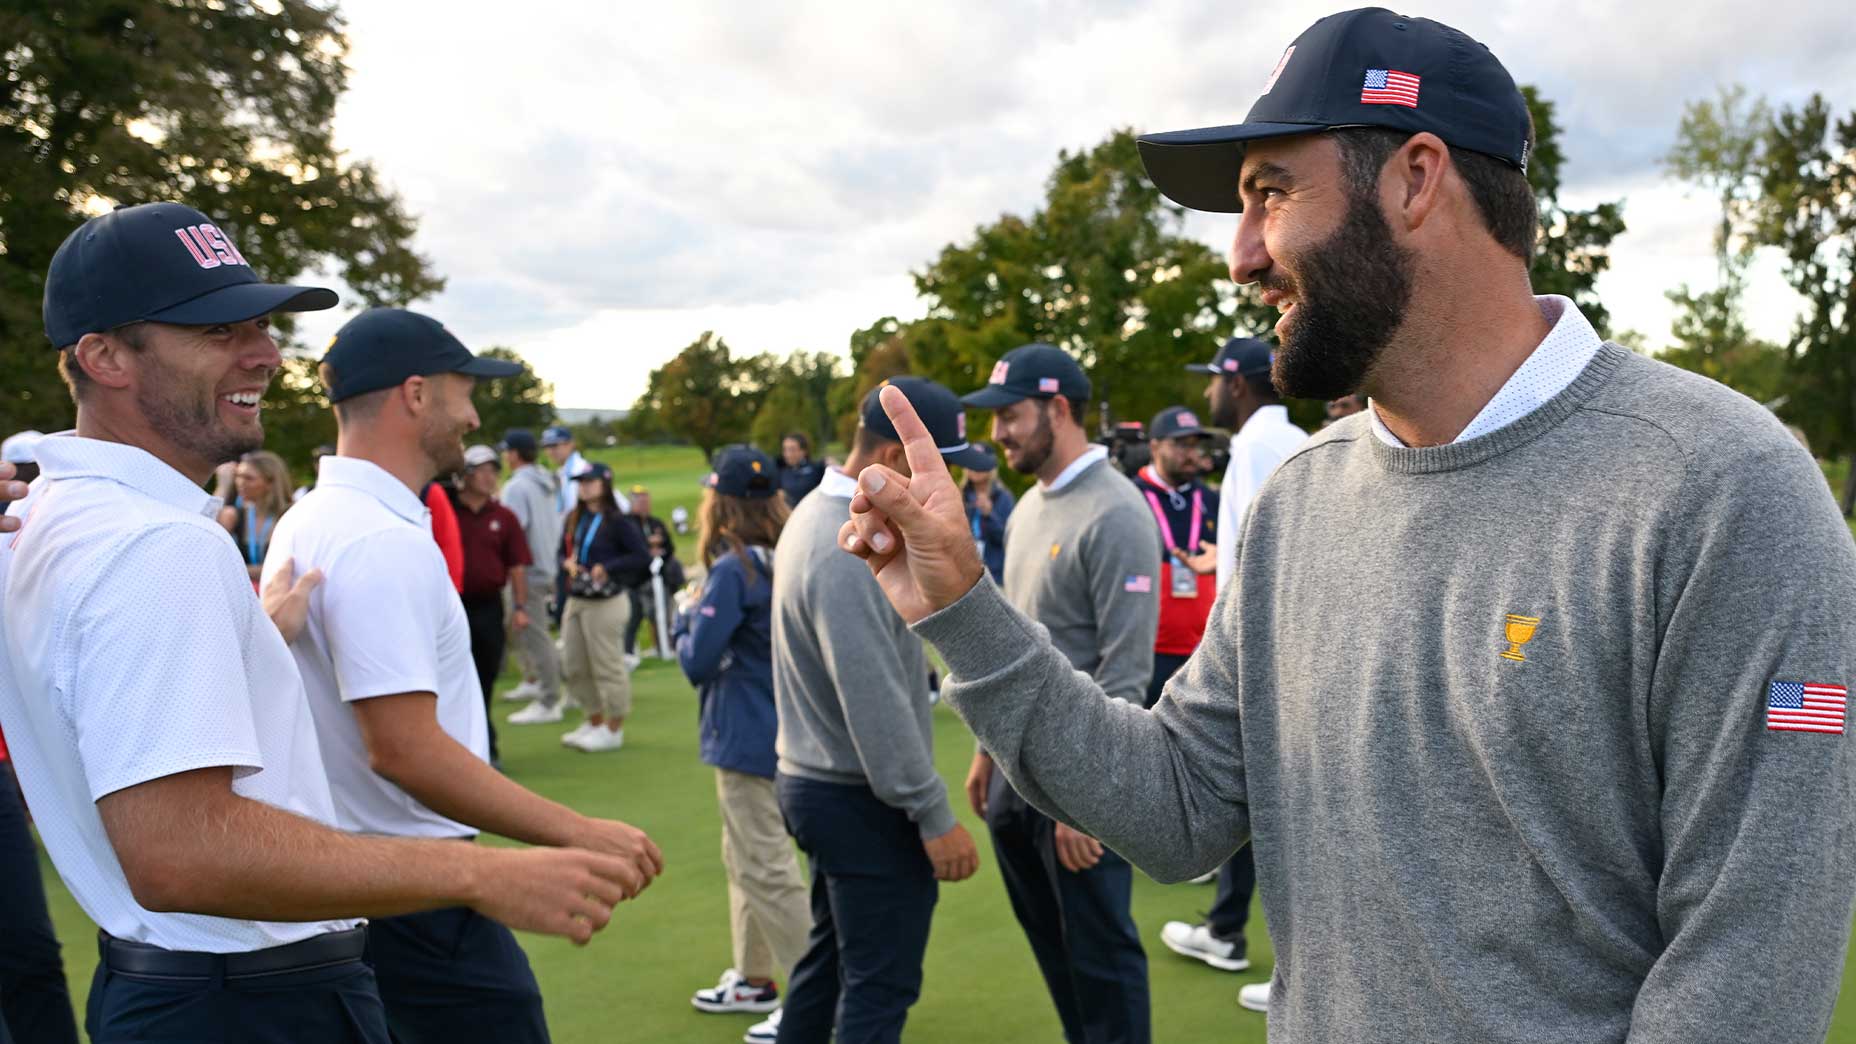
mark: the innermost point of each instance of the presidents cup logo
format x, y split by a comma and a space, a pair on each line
1519, 631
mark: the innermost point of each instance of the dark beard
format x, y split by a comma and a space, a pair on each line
190, 424
443, 447
1036, 449
1351, 295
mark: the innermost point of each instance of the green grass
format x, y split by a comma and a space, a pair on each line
634, 980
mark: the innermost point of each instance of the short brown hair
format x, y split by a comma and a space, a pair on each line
1502, 193
135, 335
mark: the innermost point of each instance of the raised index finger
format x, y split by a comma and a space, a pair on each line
924, 455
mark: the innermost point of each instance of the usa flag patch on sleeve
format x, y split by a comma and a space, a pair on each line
1805, 707
1138, 584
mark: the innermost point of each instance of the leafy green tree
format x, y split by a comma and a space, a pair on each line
798, 399
522, 401
1102, 269
1574, 245
704, 396
225, 106
1806, 207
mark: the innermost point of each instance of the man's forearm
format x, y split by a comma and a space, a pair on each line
518, 585
456, 784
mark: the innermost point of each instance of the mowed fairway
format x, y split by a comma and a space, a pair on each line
633, 982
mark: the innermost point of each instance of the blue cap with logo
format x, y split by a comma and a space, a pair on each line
940, 413
382, 347
1364, 68
1240, 357
1176, 422
556, 436
743, 471
593, 470
520, 439
1031, 371
162, 262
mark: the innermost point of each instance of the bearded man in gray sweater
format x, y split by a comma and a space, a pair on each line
1535, 709
1080, 559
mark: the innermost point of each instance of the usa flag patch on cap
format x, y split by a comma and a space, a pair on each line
1390, 87
1047, 384
1805, 707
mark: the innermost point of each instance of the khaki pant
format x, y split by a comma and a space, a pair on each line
768, 911
592, 657
534, 649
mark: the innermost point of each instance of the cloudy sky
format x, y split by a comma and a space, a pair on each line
601, 182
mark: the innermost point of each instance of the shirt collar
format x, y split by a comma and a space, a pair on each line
1275, 413
1548, 370
72, 456
1077, 467
375, 481
837, 483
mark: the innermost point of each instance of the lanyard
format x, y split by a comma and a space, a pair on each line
256, 540
586, 540
977, 537
1166, 529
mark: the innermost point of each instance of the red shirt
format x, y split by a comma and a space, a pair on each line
445, 531
493, 545
2, 746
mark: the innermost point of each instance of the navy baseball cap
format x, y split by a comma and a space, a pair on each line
1175, 422
520, 439
593, 470
556, 435
1031, 371
743, 471
1241, 357
382, 347
1363, 68
940, 413
162, 262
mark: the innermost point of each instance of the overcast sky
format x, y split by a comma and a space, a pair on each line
601, 182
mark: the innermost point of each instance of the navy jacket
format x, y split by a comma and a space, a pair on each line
991, 528
797, 480
725, 647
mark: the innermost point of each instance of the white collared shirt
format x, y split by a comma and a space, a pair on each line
1552, 367
836, 482
1265, 440
1077, 467
386, 620
135, 649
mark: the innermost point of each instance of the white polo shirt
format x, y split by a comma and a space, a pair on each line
1265, 440
134, 649
386, 620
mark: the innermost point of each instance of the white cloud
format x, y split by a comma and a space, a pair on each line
601, 182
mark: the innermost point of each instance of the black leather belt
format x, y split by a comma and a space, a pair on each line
132, 958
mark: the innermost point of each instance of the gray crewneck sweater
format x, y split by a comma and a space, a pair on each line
849, 681
1071, 556
1600, 840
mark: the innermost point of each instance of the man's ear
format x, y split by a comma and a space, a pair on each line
1411, 185
896, 457
107, 360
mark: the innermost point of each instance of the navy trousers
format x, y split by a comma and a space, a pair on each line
873, 896
484, 613
336, 1004
34, 1003
454, 976
1080, 925
1237, 882
1165, 666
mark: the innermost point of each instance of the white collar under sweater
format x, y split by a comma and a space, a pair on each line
837, 483
1552, 367
1077, 467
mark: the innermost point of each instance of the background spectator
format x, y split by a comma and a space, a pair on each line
530, 495
725, 647
669, 571
799, 473
496, 555
606, 556
262, 482
989, 505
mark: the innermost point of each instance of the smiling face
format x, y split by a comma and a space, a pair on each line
449, 416
1325, 256
198, 387
1022, 431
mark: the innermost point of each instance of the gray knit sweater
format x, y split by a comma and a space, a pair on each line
849, 681
1595, 837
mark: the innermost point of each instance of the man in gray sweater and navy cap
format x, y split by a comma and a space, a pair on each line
857, 782
1536, 713
1081, 559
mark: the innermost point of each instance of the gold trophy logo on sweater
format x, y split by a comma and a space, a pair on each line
1519, 631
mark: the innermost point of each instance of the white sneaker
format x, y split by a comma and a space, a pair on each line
1205, 878
572, 737
1255, 996
599, 739
528, 690
1198, 942
632, 660
764, 1032
536, 714
734, 993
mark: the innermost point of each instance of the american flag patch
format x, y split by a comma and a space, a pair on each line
1047, 384
1138, 584
1805, 707
999, 371
707, 610
1389, 87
